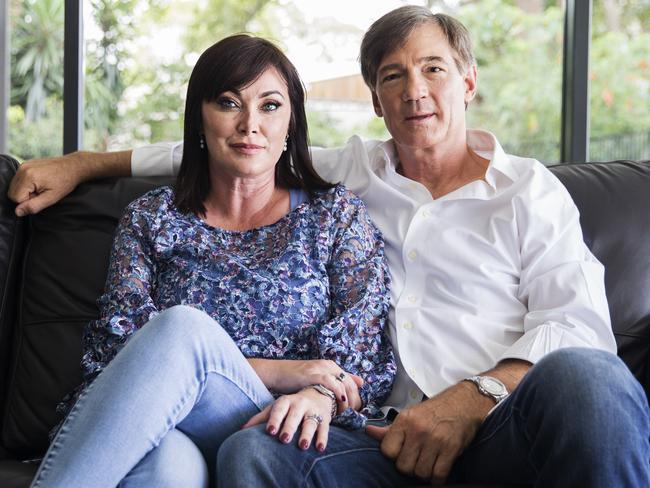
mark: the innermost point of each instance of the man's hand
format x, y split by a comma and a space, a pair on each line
426, 439
40, 183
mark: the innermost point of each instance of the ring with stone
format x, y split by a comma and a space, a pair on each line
315, 418
341, 376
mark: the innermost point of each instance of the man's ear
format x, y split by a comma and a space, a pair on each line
375, 104
470, 84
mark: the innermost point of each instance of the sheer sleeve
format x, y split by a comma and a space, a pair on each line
355, 337
126, 304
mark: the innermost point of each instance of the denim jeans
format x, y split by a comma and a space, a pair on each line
579, 418
156, 415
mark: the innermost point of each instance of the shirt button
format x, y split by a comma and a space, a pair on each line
415, 394
412, 255
426, 214
411, 372
407, 325
412, 298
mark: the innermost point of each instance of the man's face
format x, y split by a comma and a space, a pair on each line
420, 92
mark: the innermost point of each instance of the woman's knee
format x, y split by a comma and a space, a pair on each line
182, 323
177, 461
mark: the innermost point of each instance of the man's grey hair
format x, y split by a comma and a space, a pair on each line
391, 31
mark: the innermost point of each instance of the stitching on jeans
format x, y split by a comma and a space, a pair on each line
520, 416
55, 445
328, 456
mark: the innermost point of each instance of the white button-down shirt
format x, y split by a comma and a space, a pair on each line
493, 270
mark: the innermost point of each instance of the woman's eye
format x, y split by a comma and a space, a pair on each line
434, 69
271, 106
226, 103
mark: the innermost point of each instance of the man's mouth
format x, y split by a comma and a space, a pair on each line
419, 117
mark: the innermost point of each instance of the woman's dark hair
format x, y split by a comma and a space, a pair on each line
232, 64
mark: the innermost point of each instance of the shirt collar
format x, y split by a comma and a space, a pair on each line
486, 145
482, 142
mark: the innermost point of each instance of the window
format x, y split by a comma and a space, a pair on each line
620, 80
35, 114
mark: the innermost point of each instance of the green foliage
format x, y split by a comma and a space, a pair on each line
519, 59
37, 56
38, 138
215, 19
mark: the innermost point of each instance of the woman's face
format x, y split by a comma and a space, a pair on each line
245, 130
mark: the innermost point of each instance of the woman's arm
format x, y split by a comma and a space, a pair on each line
126, 304
355, 337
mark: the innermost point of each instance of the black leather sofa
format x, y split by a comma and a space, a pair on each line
52, 269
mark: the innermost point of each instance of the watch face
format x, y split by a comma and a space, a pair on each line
492, 387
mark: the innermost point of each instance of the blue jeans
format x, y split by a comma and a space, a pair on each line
156, 415
579, 418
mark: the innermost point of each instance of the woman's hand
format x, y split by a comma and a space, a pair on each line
306, 410
289, 376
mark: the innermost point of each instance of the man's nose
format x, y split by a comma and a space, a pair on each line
248, 122
415, 88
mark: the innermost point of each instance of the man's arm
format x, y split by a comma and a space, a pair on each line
42, 182
426, 439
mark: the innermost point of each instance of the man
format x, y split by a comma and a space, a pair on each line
490, 277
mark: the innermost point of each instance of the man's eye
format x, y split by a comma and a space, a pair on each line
434, 69
271, 106
391, 77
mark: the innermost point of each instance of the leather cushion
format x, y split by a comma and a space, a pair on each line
11, 252
64, 271
614, 203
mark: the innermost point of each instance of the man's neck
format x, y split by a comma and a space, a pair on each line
442, 169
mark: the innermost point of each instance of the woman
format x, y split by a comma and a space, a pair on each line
252, 278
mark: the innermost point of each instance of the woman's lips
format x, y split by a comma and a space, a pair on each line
247, 148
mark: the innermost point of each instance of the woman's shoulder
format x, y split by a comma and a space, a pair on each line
337, 197
153, 201
148, 210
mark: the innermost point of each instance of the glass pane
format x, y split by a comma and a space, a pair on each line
620, 80
518, 46
35, 115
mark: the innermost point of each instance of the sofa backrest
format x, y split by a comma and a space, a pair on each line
614, 203
63, 274
67, 253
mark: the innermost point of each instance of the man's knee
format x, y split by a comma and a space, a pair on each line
267, 462
585, 383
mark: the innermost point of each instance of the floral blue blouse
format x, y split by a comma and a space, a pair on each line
313, 285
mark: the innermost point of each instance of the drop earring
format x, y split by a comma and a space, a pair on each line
201, 141
284, 148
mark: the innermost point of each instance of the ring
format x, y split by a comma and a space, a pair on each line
314, 417
341, 376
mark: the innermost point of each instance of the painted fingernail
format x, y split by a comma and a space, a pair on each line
271, 430
320, 447
343, 399
304, 444
284, 437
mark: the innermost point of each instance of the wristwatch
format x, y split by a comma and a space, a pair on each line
490, 387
